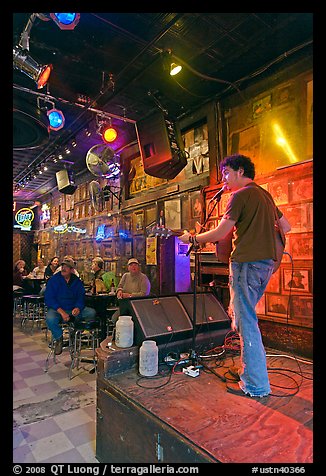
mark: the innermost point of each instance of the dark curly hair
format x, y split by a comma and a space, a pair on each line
237, 161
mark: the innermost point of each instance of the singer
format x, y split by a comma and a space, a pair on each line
250, 212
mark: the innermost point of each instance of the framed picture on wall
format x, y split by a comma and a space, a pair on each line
301, 189
138, 221
128, 248
301, 246
211, 208
279, 191
298, 280
277, 305
196, 204
172, 214
139, 247
301, 306
298, 217
222, 204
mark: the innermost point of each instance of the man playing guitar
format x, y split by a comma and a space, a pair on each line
250, 212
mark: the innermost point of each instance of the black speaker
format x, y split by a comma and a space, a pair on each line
161, 146
210, 314
162, 319
65, 181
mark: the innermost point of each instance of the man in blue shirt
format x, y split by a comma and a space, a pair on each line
65, 297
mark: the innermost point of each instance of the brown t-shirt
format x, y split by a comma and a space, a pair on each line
254, 231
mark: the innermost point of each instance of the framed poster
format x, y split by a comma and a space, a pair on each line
222, 204
301, 306
301, 246
298, 280
138, 221
128, 248
210, 247
139, 247
196, 204
172, 214
279, 191
301, 189
277, 305
298, 217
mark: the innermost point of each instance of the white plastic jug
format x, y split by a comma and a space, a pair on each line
124, 332
148, 358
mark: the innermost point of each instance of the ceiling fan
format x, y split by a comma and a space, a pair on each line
97, 196
103, 162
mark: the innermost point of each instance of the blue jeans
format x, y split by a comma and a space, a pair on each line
53, 319
247, 285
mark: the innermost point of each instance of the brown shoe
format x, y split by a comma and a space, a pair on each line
58, 344
234, 371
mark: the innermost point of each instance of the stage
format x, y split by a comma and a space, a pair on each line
175, 418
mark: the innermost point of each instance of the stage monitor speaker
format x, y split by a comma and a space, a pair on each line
161, 146
210, 314
162, 319
65, 181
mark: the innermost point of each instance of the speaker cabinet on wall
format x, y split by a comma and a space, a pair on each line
161, 146
65, 181
163, 319
209, 311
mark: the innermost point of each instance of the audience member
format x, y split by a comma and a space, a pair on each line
51, 267
134, 283
65, 300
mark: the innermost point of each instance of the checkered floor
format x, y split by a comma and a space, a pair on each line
54, 417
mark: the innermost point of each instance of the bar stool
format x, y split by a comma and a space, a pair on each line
67, 330
18, 293
85, 334
33, 310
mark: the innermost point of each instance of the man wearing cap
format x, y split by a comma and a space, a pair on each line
97, 269
134, 283
65, 297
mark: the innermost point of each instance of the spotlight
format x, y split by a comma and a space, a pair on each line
56, 119
65, 21
74, 143
23, 61
175, 69
109, 134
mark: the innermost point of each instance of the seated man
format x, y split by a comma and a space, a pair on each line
134, 283
97, 284
65, 297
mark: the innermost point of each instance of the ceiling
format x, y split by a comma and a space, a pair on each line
114, 62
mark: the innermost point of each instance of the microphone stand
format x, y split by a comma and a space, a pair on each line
193, 355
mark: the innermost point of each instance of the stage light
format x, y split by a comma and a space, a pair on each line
175, 69
23, 61
109, 134
65, 21
56, 119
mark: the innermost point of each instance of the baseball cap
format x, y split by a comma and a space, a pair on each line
133, 260
98, 259
69, 262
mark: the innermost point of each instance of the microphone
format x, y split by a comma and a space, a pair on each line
218, 194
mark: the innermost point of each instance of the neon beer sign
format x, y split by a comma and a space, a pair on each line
24, 218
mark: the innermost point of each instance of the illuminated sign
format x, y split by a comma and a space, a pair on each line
24, 219
68, 228
45, 216
100, 235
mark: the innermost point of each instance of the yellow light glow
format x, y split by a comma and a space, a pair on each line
175, 69
281, 141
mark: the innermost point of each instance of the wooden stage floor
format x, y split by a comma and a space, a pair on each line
230, 428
